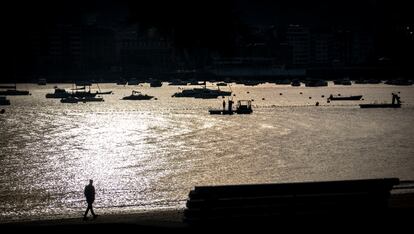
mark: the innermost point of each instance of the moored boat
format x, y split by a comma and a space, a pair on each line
103, 93
69, 99
203, 92
222, 84
91, 99
345, 98
295, 83
59, 93
14, 92
316, 83
242, 107
396, 103
136, 95
155, 83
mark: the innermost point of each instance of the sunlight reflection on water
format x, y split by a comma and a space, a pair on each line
148, 154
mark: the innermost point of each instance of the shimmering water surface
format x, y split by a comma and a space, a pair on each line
145, 155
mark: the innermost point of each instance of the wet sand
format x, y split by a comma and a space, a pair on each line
171, 219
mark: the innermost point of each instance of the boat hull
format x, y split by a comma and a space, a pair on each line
69, 100
92, 99
350, 98
247, 111
220, 112
380, 105
137, 98
104, 93
61, 95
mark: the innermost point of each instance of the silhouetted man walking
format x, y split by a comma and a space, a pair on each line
90, 198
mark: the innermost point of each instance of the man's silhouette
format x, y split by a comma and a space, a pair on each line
90, 198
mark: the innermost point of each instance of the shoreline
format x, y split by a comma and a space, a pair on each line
401, 205
160, 219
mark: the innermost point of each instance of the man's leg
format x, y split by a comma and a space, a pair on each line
87, 210
93, 213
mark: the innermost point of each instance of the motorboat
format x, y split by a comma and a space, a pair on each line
222, 84
361, 82
204, 93
316, 83
242, 107
373, 81
396, 103
177, 82
155, 83
251, 82
59, 93
345, 81
283, 82
12, 91
136, 95
133, 81
295, 83
196, 82
344, 98
401, 82
103, 93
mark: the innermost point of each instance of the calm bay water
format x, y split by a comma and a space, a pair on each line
145, 155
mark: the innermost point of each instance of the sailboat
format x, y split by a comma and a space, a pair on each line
82, 94
85, 96
102, 93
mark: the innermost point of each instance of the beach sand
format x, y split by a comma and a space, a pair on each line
401, 210
151, 220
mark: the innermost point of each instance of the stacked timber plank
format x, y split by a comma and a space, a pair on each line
265, 202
